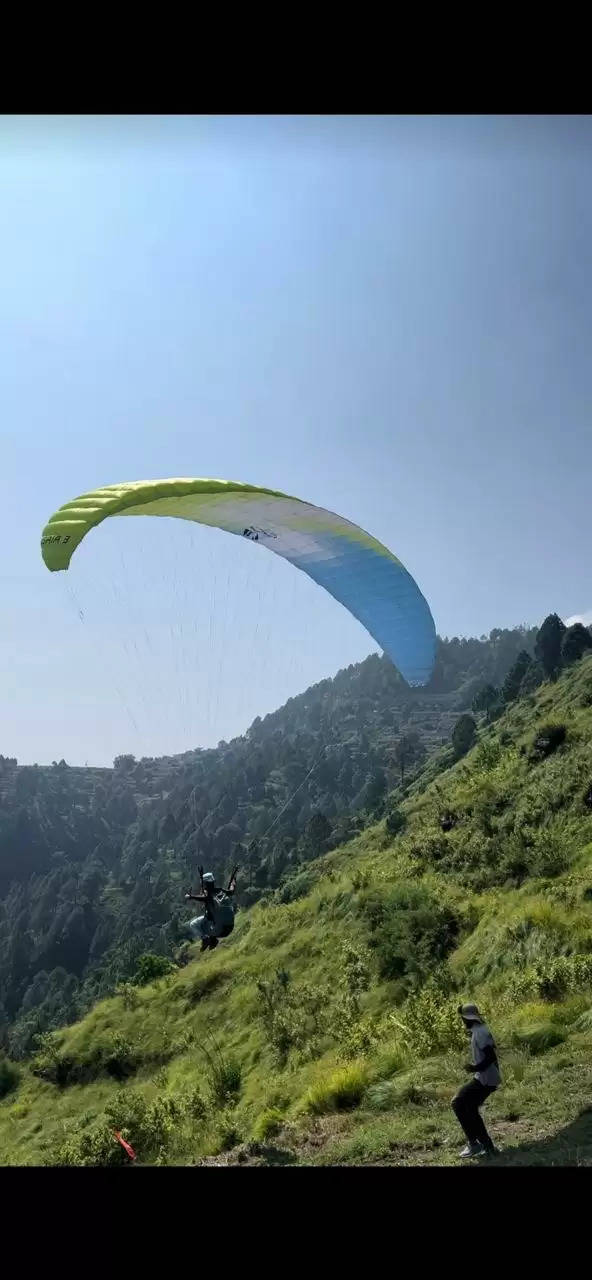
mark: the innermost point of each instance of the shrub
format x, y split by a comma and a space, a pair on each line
267, 1124
298, 886
196, 1105
9, 1076
118, 1057
395, 822
148, 1126
294, 1017
112, 1054
129, 995
547, 740
150, 967
549, 856
228, 1134
204, 983
381, 1096
537, 1040
94, 1146
360, 879
488, 755
411, 930
341, 1091
431, 1022
183, 955
448, 820
553, 979
224, 1075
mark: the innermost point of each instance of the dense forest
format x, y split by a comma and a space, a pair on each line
94, 862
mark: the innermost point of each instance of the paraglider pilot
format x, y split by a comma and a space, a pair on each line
218, 918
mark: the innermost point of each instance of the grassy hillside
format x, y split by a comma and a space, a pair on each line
93, 862
324, 1030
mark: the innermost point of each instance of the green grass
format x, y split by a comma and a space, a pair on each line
325, 1030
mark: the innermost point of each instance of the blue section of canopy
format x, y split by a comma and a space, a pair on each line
383, 596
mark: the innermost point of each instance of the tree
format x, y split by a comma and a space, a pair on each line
515, 676
318, 832
576, 641
409, 750
374, 790
124, 764
463, 736
395, 821
548, 645
533, 678
226, 837
485, 700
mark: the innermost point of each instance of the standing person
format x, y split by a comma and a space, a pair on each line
486, 1079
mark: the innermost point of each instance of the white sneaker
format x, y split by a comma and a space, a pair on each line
474, 1149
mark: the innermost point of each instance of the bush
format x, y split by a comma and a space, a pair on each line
112, 1054
395, 822
298, 886
553, 979
412, 931
129, 995
204, 983
488, 755
381, 1096
548, 856
294, 1017
117, 1057
361, 879
431, 1022
196, 1106
341, 1091
267, 1124
547, 740
148, 1126
94, 1146
151, 967
228, 1134
224, 1075
9, 1076
537, 1040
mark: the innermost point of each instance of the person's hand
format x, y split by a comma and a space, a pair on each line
187, 895
469, 1066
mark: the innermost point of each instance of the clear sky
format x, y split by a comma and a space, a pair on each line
390, 317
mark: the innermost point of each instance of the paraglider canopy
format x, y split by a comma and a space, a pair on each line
352, 566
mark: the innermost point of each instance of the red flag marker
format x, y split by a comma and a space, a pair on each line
126, 1146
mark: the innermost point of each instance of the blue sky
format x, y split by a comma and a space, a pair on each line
390, 317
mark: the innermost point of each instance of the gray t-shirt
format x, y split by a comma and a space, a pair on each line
480, 1038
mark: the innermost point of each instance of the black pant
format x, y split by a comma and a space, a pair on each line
466, 1109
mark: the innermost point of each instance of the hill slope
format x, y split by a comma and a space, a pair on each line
324, 1030
93, 862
